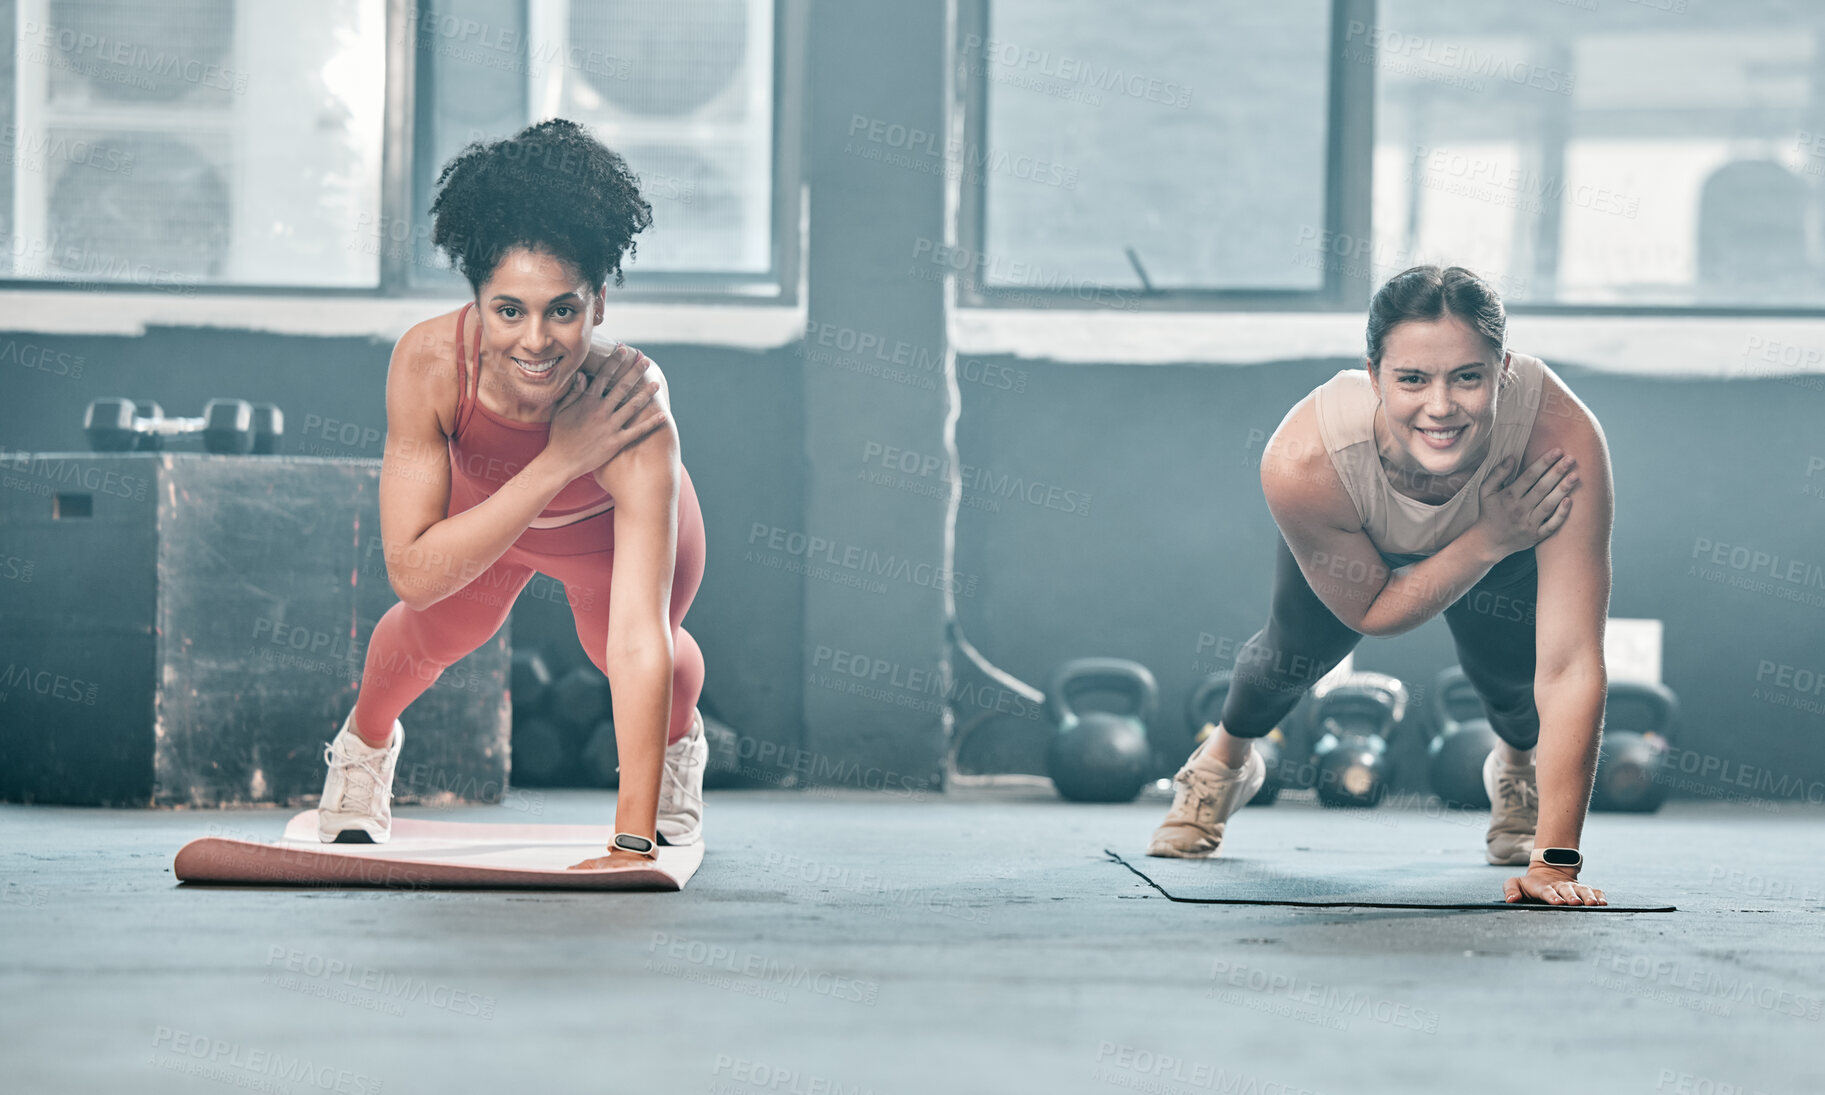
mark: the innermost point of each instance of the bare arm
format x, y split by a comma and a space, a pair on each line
645, 484
1573, 607
430, 555
1340, 562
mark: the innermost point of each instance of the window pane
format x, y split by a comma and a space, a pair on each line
1663, 152
177, 142
682, 89
1192, 133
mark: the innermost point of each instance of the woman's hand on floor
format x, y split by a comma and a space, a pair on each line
616, 858
1552, 886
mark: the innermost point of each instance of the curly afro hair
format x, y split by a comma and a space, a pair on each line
551, 187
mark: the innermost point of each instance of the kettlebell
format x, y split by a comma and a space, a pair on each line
1204, 710
1354, 715
1461, 743
1098, 756
1638, 725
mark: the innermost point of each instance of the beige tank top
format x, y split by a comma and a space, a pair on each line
1395, 523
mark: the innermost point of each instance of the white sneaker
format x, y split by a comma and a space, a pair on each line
1514, 811
1203, 798
681, 786
357, 803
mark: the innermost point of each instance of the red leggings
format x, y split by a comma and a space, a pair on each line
411, 648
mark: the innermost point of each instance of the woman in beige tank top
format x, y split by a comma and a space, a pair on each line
1437, 479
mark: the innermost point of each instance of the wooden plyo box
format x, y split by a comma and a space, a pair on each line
184, 629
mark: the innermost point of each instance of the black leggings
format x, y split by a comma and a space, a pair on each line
1493, 625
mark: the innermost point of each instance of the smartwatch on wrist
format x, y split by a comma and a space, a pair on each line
1559, 857
635, 843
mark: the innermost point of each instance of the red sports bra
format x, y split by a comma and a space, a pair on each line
486, 450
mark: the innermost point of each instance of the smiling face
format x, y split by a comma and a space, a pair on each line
1438, 382
538, 319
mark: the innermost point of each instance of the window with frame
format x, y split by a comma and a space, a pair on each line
1148, 152
1641, 154
241, 144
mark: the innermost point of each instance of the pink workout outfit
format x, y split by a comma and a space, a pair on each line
410, 648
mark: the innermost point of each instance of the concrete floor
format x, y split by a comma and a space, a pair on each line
855, 943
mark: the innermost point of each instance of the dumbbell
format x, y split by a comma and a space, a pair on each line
1462, 741
229, 426
1097, 756
1354, 715
1204, 710
1638, 723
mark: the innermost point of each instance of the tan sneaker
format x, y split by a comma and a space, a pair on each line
1514, 811
1202, 800
680, 818
357, 802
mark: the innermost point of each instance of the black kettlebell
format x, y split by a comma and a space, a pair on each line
1205, 709
1638, 722
1354, 715
1097, 756
1462, 741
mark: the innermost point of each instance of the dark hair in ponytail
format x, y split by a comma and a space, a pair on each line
1432, 292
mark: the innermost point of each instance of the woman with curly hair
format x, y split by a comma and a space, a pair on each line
516, 445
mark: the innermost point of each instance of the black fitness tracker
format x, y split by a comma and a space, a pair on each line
1560, 857
639, 845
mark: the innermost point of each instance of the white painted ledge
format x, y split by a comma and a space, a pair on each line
1749, 346
77, 312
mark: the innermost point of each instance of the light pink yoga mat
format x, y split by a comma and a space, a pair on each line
439, 854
